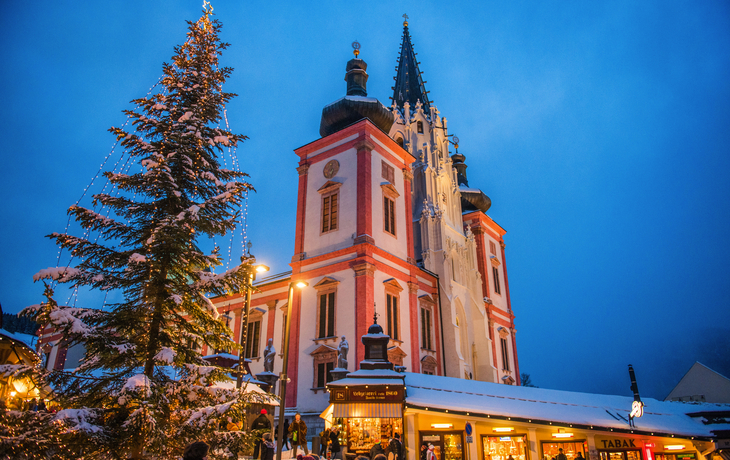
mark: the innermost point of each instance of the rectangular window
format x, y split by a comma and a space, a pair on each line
392, 310
426, 328
389, 215
329, 212
326, 326
252, 339
493, 248
323, 374
505, 354
495, 272
388, 172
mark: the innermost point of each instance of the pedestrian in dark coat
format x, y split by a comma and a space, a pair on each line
335, 447
261, 422
286, 433
267, 447
377, 449
395, 448
298, 435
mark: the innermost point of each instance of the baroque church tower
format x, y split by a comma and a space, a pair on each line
386, 224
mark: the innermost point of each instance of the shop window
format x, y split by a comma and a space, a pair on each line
571, 450
419, 127
495, 276
505, 353
426, 325
253, 337
504, 447
388, 172
364, 432
448, 445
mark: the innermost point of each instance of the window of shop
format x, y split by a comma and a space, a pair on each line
623, 455
571, 449
362, 433
504, 447
448, 445
675, 456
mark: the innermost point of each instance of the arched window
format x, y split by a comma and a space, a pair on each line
419, 127
399, 141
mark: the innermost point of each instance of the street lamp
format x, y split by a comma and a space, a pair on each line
284, 365
261, 268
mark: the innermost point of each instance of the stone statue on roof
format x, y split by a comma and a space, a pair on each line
269, 355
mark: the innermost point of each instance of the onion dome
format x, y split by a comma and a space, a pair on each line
472, 199
355, 105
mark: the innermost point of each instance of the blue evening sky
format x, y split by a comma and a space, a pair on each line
600, 130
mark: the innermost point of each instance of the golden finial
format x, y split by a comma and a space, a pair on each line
405, 23
356, 48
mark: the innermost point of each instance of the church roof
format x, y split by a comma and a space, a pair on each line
409, 86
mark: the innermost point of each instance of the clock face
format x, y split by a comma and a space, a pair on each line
331, 168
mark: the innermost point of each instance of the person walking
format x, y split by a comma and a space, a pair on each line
286, 434
261, 422
335, 447
561, 455
430, 454
395, 448
267, 447
298, 432
377, 449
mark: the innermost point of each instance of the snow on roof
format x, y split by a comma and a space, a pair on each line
27, 339
608, 411
223, 355
356, 98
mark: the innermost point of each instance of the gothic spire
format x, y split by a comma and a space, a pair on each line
409, 86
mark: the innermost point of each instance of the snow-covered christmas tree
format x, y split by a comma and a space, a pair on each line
143, 389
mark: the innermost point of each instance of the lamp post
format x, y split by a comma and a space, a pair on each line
284, 366
261, 268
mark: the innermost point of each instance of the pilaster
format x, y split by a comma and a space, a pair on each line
364, 303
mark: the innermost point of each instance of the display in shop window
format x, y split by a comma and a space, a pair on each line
504, 447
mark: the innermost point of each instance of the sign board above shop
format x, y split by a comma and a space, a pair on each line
370, 394
617, 443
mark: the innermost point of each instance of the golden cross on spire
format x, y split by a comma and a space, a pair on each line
405, 22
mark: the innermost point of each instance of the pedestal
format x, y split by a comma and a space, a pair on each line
338, 373
269, 378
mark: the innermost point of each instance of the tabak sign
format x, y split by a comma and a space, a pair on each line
370, 394
616, 443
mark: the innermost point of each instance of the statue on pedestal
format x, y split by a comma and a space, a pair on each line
269, 355
342, 350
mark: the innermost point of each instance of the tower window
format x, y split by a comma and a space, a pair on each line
389, 215
329, 212
388, 172
326, 315
253, 337
493, 248
399, 141
495, 273
419, 127
393, 316
505, 353
426, 328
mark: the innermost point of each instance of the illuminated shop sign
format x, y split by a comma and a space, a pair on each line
362, 394
606, 443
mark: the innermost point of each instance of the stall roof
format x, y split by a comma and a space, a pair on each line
563, 407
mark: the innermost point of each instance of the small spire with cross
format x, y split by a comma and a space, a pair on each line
356, 48
405, 22
375, 318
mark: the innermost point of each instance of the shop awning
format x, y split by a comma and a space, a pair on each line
367, 410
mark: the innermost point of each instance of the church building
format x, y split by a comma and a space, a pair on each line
386, 225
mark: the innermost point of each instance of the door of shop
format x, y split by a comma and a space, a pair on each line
448, 445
